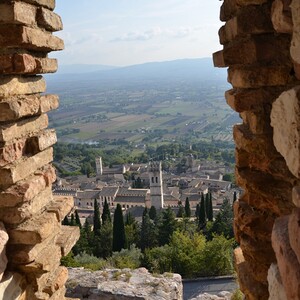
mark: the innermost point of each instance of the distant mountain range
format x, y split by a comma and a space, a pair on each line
201, 69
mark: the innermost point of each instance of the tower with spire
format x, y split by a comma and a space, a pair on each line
156, 185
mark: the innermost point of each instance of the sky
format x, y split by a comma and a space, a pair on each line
127, 32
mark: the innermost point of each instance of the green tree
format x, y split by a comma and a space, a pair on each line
119, 238
180, 212
77, 219
106, 213
187, 208
210, 212
65, 221
132, 231
197, 212
72, 222
166, 226
103, 242
96, 219
152, 213
202, 216
148, 233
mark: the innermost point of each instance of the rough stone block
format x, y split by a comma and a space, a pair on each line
12, 286
68, 238
61, 206
35, 230
257, 224
257, 121
17, 13
251, 288
295, 45
250, 2
249, 20
17, 85
282, 21
250, 99
29, 38
256, 77
294, 232
47, 260
3, 242
276, 199
26, 190
11, 152
19, 170
49, 20
24, 128
45, 3
263, 48
288, 264
228, 10
276, 289
59, 294
17, 107
46, 65
52, 282
285, 117
42, 141
17, 215
296, 196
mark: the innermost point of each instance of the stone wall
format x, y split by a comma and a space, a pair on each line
261, 47
30, 217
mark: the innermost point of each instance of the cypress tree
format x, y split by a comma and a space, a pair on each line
106, 213
145, 212
166, 227
148, 234
97, 222
202, 217
129, 219
180, 212
65, 221
207, 205
152, 213
187, 208
119, 238
210, 214
77, 219
72, 223
197, 212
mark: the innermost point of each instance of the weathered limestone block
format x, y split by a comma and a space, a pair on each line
26, 64
3, 242
17, 13
276, 289
250, 2
276, 198
257, 121
12, 152
285, 120
47, 260
49, 20
24, 254
59, 294
68, 238
294, 232
26, 190
228, 10
252, 289
23, 128
281, 19
255, 223
17, 215
265, 48
12, 286
288, 264
23, 168
295, 45
45, 3
51, 282
17, 85
296, 196
13, 108
256, 77
35, 230
61, 206
131, 284
29, 38
249, 99
42, 141
249, 20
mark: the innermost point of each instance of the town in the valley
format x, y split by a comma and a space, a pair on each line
136, 186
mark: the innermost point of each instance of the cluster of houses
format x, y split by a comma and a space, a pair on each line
158, 189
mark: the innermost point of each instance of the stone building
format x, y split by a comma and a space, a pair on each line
156, 185
261, 47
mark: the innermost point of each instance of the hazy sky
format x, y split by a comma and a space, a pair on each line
126, 32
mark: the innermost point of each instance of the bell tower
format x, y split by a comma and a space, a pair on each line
156, 189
